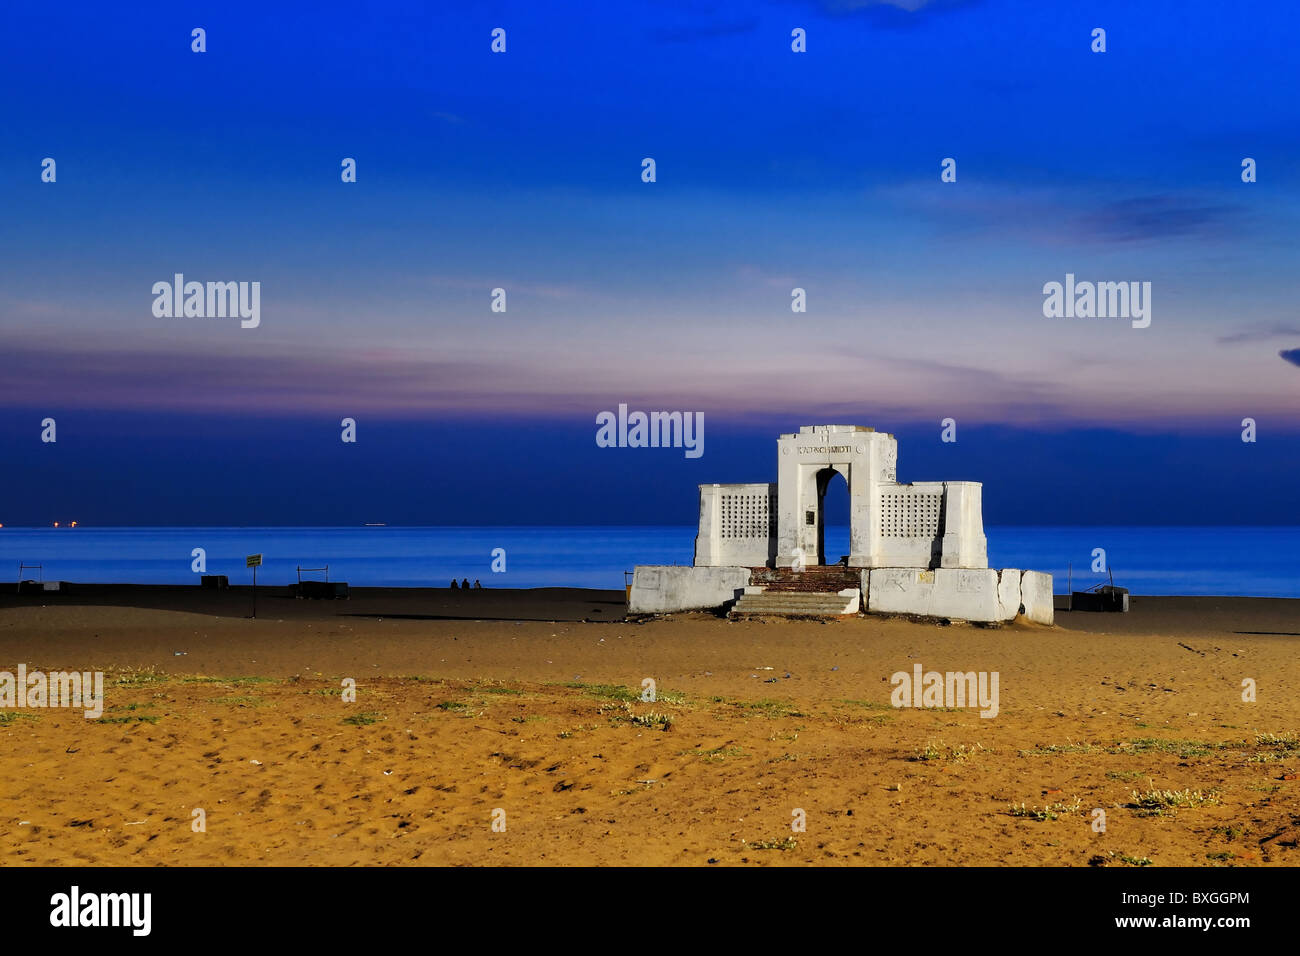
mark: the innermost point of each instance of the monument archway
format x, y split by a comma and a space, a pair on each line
807, 461
834, 517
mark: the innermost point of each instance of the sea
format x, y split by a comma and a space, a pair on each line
1246, 561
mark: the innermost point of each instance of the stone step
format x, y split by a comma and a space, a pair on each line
798, 604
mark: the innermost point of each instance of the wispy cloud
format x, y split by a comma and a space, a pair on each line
1260, 333
894, 14
1063, 216
1155, 217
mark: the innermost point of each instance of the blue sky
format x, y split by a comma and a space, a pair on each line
522, 171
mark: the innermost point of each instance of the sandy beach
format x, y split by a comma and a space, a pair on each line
524, 707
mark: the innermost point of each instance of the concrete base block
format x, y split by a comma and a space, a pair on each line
664, 589
982, 595
1036, 597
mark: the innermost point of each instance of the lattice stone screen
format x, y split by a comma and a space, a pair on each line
748, 516
911, 514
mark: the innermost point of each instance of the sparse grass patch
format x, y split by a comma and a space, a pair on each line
1275, 747
1102, 859
1154, 803
238, 701
941, 751
607, 691
789, 843
581, 728
717, 753
1128, 776
9, 716
137, 677
206, 679
1070, 748
771, 709
1181, 748
868, 704
1050, 812
1229, 832
364, 719
652, 719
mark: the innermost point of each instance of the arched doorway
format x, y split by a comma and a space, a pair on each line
833, 538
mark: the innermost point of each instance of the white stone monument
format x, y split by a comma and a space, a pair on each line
915, 548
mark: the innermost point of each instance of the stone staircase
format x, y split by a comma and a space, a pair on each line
818, 591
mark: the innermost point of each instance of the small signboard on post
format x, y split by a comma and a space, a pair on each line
254, 561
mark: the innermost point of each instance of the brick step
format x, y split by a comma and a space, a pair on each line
815, 578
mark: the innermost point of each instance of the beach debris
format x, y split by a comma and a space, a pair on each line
1101, 597
834, 668
257, 762
180, 653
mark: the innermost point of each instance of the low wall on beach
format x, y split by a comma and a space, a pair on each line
982, 595
985, 595
663, 589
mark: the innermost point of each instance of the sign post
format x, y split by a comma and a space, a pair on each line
253, 561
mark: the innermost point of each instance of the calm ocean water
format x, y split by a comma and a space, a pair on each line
1242, 561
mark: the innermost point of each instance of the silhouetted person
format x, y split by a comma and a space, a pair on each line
454, 585
465, 584
477, 586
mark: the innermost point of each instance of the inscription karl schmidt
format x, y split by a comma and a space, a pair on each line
824, 449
